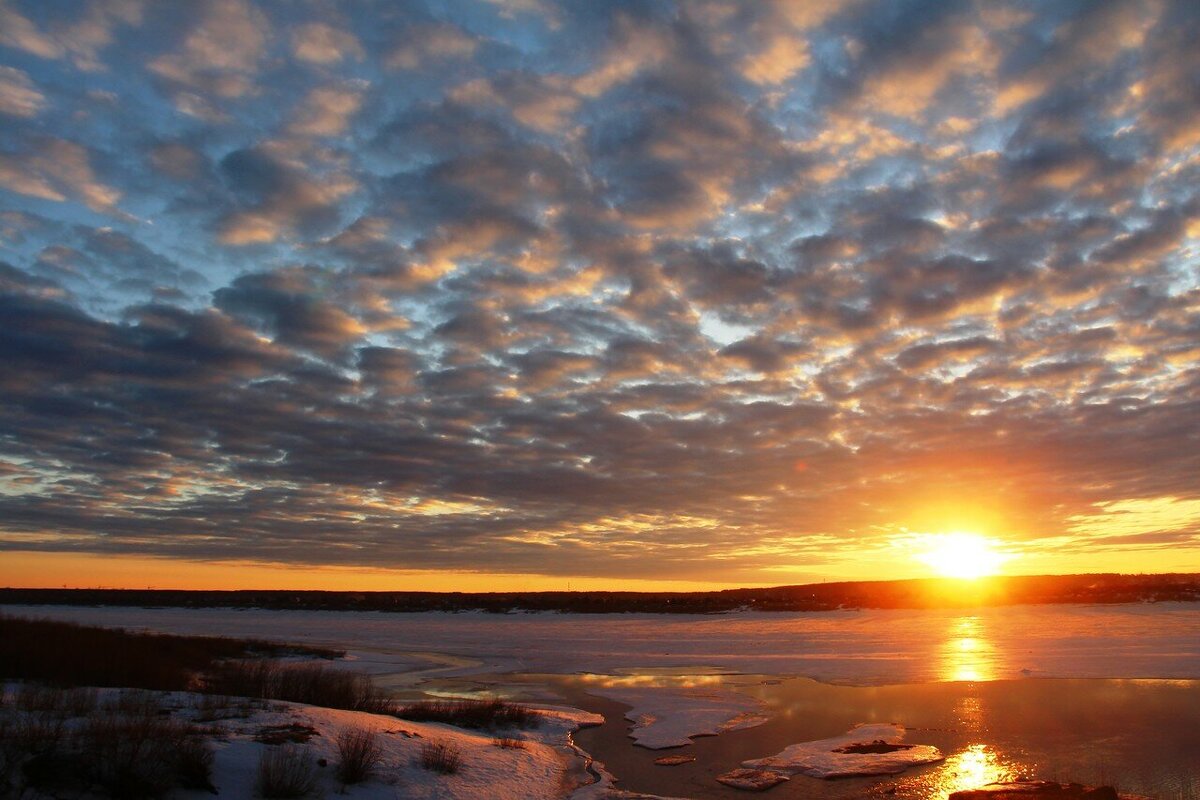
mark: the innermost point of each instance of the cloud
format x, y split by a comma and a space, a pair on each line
18, 31
703, 290
18, 96
274, 196
326, 111
288, 303
217, 59
56, 169
321, 43
427, 44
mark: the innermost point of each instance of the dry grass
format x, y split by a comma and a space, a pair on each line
509, 744
66, 654
126, 749
286, 772
132, 750
478, 714
359, 753
314, 684
441, 757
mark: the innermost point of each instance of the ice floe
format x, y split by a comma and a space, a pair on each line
872, 749
669, 717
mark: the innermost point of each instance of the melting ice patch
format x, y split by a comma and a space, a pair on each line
873, 749
668, 717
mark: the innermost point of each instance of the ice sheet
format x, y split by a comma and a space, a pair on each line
857, 647
669, 717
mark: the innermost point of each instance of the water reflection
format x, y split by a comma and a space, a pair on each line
967, 654
652, 679
976, 766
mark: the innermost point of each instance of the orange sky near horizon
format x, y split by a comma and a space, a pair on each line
32, 569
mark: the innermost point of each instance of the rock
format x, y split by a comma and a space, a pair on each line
674, 761
752, 780
1039, 790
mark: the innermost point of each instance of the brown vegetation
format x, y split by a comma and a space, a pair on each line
313, 684
441, 757
125, 748
286, 772
359, 753
66, 654
479, 714
509, 744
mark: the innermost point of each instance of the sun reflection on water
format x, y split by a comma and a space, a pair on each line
974, 767
651, 679
971, 768
967, 654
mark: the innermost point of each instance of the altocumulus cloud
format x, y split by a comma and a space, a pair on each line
621, 289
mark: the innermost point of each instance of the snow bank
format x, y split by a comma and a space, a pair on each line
546, 766
873, 749
669, 717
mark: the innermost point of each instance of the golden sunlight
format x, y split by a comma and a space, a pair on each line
961, 555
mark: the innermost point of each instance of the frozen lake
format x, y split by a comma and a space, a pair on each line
851, 647
1090, 693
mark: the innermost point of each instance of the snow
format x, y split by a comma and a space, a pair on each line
670, 717
823, 759
546, 767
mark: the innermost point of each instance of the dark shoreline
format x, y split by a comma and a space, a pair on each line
908, 594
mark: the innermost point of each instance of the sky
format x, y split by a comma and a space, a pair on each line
535, 295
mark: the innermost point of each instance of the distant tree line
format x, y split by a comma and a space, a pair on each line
921, 593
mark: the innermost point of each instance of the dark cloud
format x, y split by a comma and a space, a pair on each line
289, 304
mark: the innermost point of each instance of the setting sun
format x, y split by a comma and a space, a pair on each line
962, 555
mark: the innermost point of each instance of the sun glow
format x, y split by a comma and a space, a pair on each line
962, 555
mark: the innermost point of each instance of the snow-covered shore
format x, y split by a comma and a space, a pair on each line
539, 763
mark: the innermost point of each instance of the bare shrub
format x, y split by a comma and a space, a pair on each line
194, 762
314, 684
441, 757
129, 749
287, 733
8, 755
479, 714
67, 654
36, 733
36, 697
509, 744
136, 703
78, 702
217, 707
243, 678
286, 772
359, 753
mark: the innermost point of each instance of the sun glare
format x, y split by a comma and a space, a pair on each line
962, 555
